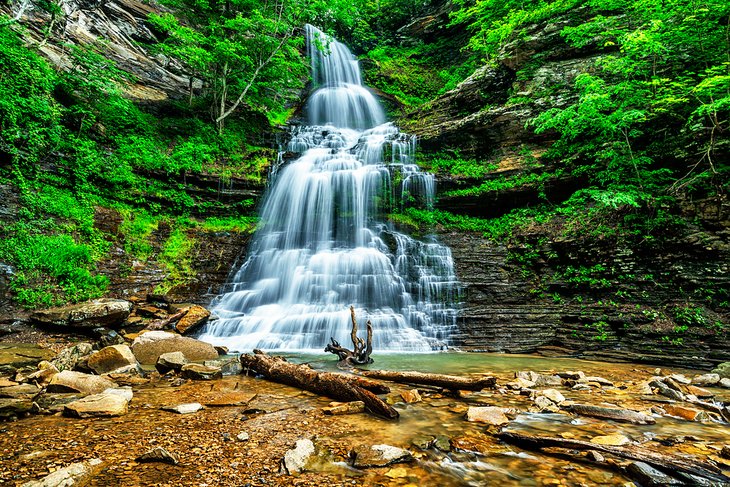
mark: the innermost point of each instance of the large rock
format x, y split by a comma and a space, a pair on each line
14, 408
490, 415
91, 314
69, 357
295, 460
111, 358
70, 381
17, 355
723, 370
650, 476
21, 391
193, 319
379, 456
109, 403
75, 474
149, 346
706, 380
616, 414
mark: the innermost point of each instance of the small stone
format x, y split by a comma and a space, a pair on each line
411, 396
611, 440
542, 404
200, 372
725, 452
158, 454
595, 456
295, 460
554, 395
724, 383
442, 443
572, 375
187, 408
222, 350
170, 361
657, 371
700, 392
243, 436
490, 415
379, 456
397, 473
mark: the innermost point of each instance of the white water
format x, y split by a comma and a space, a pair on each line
322, 244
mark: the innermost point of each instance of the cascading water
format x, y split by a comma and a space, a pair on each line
322, 244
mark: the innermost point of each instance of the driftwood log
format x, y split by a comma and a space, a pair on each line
452, 382
666, 463
362, 349
336, 386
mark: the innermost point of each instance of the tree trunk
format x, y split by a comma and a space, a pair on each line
438, 380
336, 386
657, 460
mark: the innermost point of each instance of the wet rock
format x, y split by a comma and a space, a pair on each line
160, 455
108, 337
595, 456
706, 380
723, 370
345, 408
616, 414
91, 314
490, 415
554, 395
227, 366
75, 474
55, 403
43, 375
107, 404
200, 372
666, 391
543, 404
686, 413
397, 473
222, 351
295, 460
243, 436
171, 361
680, 378
112, 358
70, 381
192, 319
724, 383
411, 396
725, 452
649, 476
570, 375
18, 355
611, 440
188, 408
479, 443
442, 443
14, 408
21, 391
596, 380
423, 442
70, 356
148, 347
379, 456
699, 392
520, 383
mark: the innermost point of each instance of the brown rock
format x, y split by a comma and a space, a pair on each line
611, 440
200, 372
91, 314
686, 413
10, 408
379, 456
616, 414
159, 454
194, 318
234, 398
170, 361
700, 392
106, 404
148, 347
70, 381
111, 358
345, 408
478, 443
411, 396
490, 415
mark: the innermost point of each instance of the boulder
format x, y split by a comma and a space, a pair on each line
70, 356
554, 395
725, 382
91, 314
706, 380
111, 358
158, 454
70, 381
295, 460
148, 347
542, 403
14, 408
44, 374
75, 474
170, 361
192, 320
689, 414
379, 456
723, 370
108, 403
200, 372
490, 415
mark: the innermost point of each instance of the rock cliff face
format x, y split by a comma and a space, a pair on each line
119, 29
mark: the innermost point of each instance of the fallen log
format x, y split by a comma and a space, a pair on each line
335, 386
452, 382
658, 460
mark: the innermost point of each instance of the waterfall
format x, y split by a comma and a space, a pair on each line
323, 243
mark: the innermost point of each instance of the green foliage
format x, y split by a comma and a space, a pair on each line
176, 256
453, 164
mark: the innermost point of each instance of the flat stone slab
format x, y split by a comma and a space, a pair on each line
23, 354
70, 381
379, 456
91, 314
106, 404
149, 346
74, 474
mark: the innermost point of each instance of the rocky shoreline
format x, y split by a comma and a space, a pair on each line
151, 406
